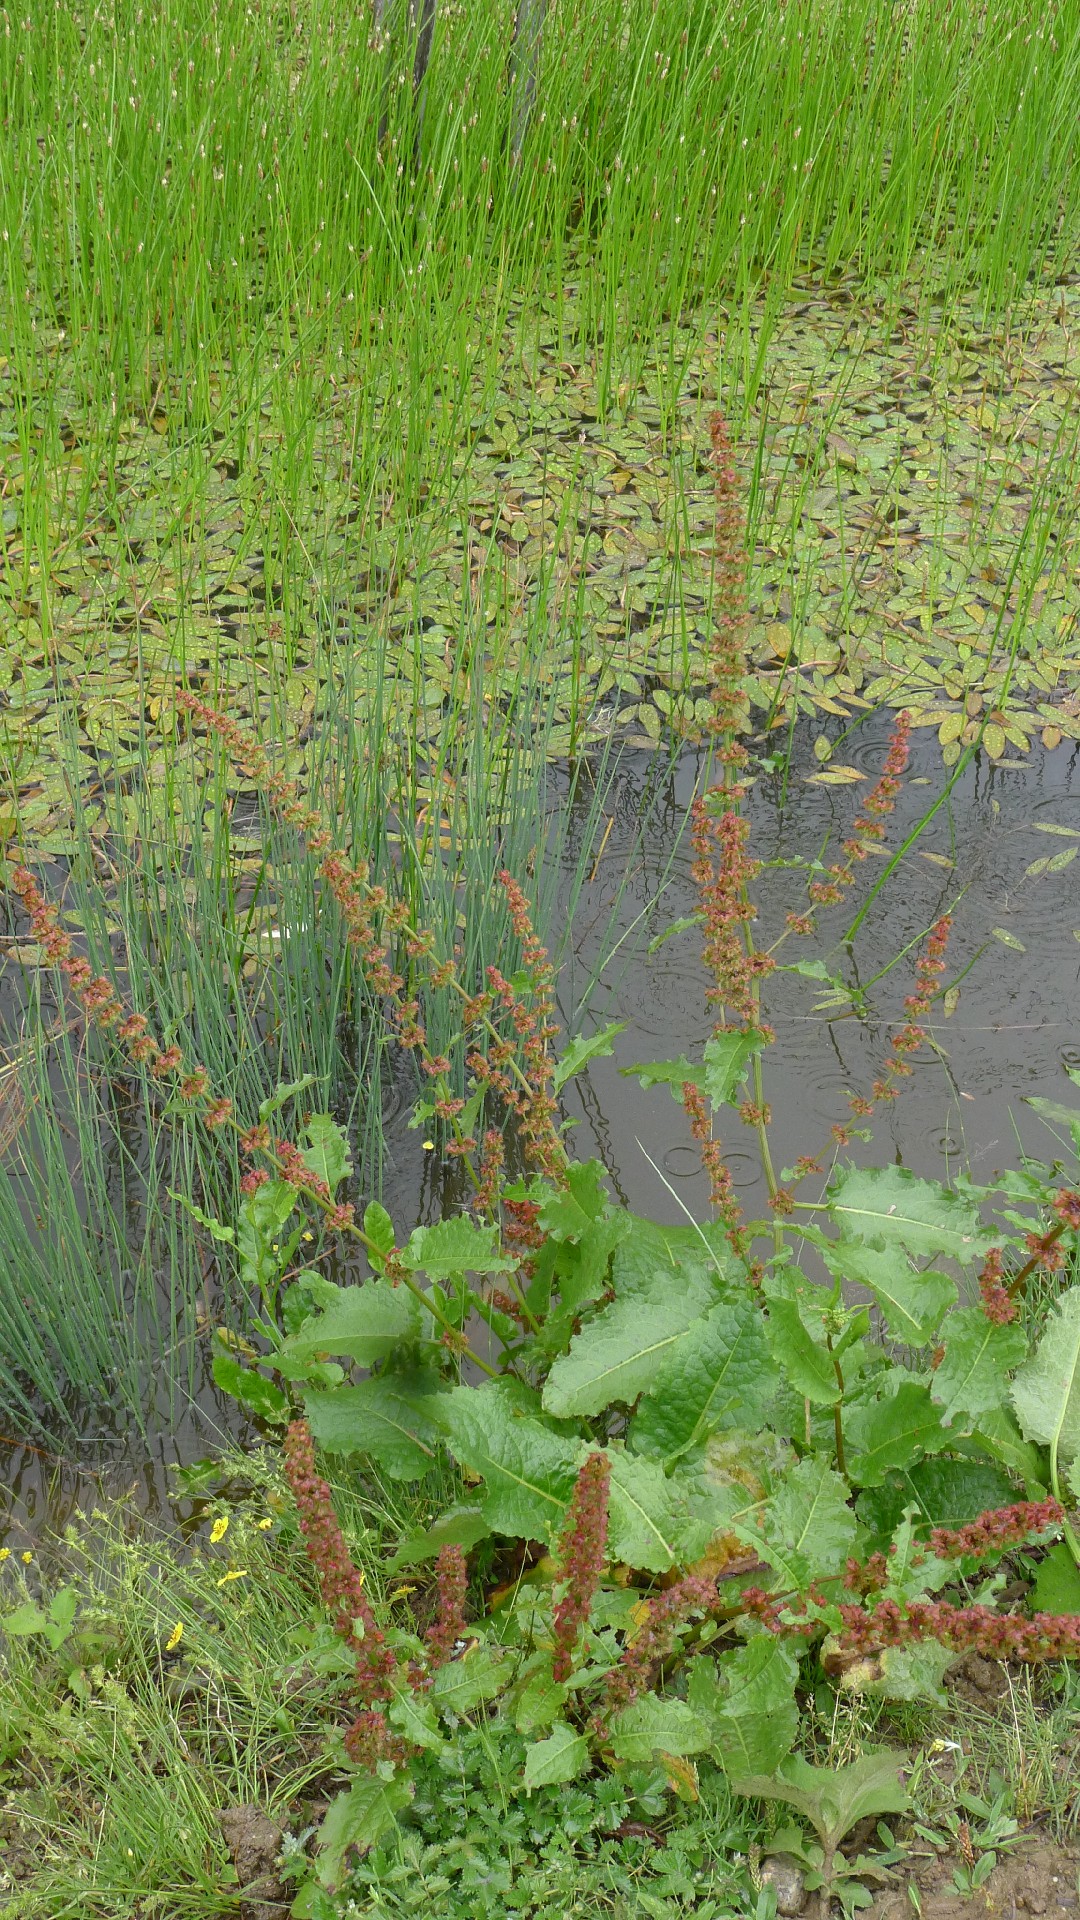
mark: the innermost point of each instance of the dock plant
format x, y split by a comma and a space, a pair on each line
707, 1471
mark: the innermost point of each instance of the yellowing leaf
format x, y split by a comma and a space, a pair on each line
1008, 939
681, 1776
236, 1343
951, 728
994, 740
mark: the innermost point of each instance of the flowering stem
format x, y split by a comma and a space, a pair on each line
838, 1413
1017, 1283
891, 866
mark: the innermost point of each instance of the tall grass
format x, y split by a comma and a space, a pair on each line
198, 219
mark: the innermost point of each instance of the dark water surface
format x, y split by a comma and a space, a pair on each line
1012, 1034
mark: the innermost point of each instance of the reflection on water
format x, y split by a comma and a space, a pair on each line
1012, 1033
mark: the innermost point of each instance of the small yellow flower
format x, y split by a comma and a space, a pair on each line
429, 1146
219, 1529
264, 1525
5, 1554
26, 1557
307, 1236
234, 1573
175, 1637
400, 1593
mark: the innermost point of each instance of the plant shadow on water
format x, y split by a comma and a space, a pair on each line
1005, 1039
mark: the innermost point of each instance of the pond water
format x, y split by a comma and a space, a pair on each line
1012, 1033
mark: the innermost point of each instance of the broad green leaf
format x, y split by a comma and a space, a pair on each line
453, 1246
460, 1526
668, 1073
562, 1756
834, 1799
727, 1057
803, 1360
358, 1818
654, 1261
283, 1094
1057, 1115
681, 925
892, 1433
890, 1205
1046, 1392
24, 1620
62, 1610
978, 1357
912, 1571
568, 1212
327, 1151
749, 1703
813, 970
309, 1372
647, 1513
528, 1472
651, 1726
388, 1417
581, 1271
540, 1700
1057, 1583
616, 1355
461, 1685
581, 1051
379, 1229
720, 1376
312, 1903
365, 1323
258, 1229
269, 1207
912, 1303
945, 1493
807, 1527
413, 1715
252, 1389
998, 1434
